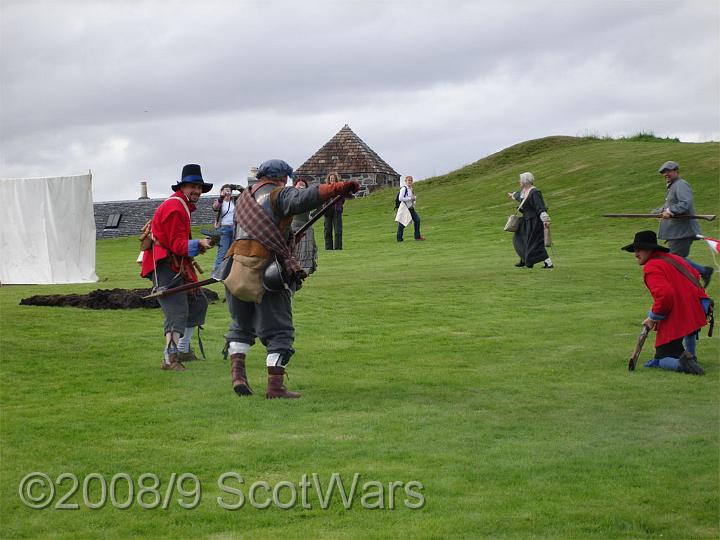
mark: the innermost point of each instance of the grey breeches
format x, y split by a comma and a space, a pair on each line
680, 246
181, 310
270, 320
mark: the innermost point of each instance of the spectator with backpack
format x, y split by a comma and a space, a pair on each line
405, 202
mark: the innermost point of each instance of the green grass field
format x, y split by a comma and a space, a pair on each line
503, 391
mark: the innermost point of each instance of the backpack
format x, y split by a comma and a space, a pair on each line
397, 199
146, 237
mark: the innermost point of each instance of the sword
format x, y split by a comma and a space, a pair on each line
707, 217
638, 347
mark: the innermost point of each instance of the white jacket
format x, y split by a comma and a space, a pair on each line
408, 198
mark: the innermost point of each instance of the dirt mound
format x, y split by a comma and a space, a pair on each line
104, 299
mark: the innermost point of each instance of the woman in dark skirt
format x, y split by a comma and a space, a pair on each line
529, 239
306, 249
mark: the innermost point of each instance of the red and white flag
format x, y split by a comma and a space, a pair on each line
713, 244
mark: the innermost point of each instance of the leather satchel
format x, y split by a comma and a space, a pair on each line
513, 222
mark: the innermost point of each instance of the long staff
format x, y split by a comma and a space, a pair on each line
707, 217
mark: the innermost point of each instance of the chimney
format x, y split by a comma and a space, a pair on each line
143, 191
251, 179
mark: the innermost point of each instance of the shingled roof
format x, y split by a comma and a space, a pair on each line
346, 153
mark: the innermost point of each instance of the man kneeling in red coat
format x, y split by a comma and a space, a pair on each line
678, 312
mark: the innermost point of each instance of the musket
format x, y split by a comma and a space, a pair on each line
224, 269
161, 292
323, 209
707, 217
638, 347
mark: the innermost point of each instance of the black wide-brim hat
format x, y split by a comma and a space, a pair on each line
191, 174
645, 240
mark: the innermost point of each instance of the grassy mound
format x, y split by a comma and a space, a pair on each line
503, 391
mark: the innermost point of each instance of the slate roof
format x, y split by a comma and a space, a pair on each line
346, 153
136, 212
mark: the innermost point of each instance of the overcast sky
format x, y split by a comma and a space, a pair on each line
134, 89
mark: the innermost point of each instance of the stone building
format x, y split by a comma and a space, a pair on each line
349, 156
126, 218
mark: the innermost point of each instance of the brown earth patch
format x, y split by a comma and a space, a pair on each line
104, 299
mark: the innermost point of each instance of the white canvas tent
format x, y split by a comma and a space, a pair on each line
47, 230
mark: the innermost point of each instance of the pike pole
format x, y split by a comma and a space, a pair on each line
706, 217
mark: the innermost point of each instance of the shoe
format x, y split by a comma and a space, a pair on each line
688, 364
173, 364
399, 239
546, 265
707, 276
187, 356
520, 264
421, 238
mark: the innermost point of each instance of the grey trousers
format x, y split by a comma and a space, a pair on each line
270, 320
680, 246
182, 310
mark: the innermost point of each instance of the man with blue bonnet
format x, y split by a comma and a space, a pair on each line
261, 307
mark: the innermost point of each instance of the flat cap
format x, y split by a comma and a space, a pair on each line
274, 168
668, 166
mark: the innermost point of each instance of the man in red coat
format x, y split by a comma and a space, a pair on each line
168, 264
677, 313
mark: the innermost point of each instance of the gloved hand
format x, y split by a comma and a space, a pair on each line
328, 191
544, 217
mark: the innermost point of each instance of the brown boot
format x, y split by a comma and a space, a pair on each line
174, 364
276, 388
187, 356
238, 375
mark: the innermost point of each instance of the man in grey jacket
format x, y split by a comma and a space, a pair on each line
679, 234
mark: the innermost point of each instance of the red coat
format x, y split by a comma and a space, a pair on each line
171, 230
675, 297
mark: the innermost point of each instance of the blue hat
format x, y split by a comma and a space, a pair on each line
274, 168
668, 166
191, 175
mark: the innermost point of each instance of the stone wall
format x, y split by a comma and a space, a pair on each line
136, 213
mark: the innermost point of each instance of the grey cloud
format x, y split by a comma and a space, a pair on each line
135, 89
